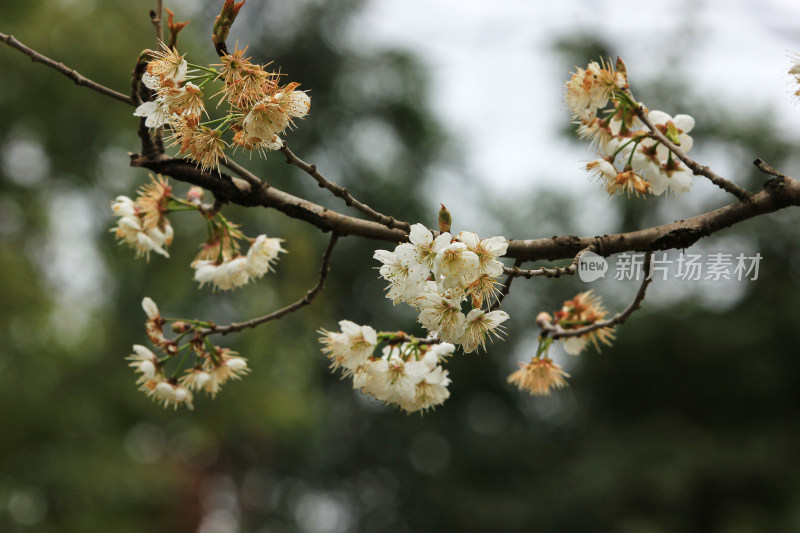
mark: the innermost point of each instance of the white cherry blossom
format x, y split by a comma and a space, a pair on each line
441, 315
430, 391
351, 347
262, 254
406, 280
479, 325
487, 250
456, 266
683, 123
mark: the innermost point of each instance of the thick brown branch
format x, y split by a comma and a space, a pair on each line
74, 75
324, 268
777, 194
342, 192
152, 144
239, 192
557, 332
136, 79
158, 26
696, 168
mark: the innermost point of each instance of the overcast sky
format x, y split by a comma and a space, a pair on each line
496, 81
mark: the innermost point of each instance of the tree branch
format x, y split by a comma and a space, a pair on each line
155, 18
152, 144
554, 272
557, 332
324, 268
696, 168
254, 181
239, 192
342, 192
222, 25
777, 194
506, 286
516, 272
74, 75
767, 169
401, 337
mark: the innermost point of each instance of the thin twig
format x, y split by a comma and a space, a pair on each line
506, 287
222, 25
557, 332
324, 268
155, 18
768, 169
243, 173
342, 192
554, 272
696, 168
74, 75
401, 337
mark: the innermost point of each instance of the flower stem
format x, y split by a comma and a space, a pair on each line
211, 350
181, 362
207, 123
201, 67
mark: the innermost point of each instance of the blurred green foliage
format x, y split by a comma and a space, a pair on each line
687, 424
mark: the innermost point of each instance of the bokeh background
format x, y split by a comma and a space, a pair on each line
688, 423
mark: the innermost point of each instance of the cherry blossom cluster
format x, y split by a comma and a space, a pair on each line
259, 108
220, 262
448, 280
407, 373
213, 366
631, 160
541, 374
583, 310
143, 225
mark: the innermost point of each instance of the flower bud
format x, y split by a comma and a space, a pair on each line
445, 219
195, 194
174, 27
180, 326
621, 68
150, 308
543, 319
222, 24
171, 348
